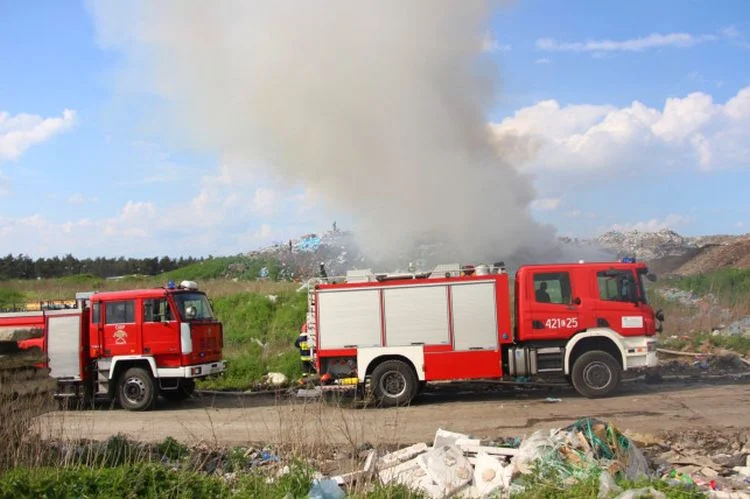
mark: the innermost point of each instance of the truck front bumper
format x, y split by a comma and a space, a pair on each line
195, 371
640, 354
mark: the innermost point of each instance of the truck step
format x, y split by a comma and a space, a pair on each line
550, 370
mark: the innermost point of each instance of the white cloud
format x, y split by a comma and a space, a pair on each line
736, 36
264, 201
654, 40
19, 132
546, 204
4, 184
542, 60
78, 198
491, 44
689, 132
671, 221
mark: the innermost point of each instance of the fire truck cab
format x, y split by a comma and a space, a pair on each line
586, 322
129, 345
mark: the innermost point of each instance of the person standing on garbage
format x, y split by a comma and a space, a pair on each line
304, 351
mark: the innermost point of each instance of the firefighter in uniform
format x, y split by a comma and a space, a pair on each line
304, 351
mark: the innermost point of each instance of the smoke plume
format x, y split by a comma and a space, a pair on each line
379, 106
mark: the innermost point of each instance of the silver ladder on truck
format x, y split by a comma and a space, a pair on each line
312, 329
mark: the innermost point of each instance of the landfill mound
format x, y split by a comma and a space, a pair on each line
666, 251
26, 388
734, 254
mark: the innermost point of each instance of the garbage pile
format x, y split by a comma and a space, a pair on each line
459, 465
26, 389
712, 461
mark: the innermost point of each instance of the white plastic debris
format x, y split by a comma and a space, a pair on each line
400, 456
446, 466
309, 392
276, 379
490, 475
607, 486
445, 437
533, 448
325, 489
644, 493
414, 477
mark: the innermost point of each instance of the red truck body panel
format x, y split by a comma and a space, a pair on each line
145, 323
460, 326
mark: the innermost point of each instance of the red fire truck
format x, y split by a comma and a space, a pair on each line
392, 334
129, 345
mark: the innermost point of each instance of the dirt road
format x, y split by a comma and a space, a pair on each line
224, 419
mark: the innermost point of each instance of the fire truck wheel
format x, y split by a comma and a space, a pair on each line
394, 383
596, 374
136, 390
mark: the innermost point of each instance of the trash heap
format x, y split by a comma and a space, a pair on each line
462, 466
585, 447
710, 460
26, 390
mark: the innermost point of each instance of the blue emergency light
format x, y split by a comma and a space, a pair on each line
628, 259
170, 284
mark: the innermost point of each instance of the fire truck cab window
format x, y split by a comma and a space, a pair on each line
156, 310
616, 285
552, 288
119, 312
95, 311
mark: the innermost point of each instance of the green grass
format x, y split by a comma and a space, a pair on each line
730, 286
549, 483
156, 480
10, 298
259, 337
693, 343
239, 267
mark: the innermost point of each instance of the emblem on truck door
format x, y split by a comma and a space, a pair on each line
120, 335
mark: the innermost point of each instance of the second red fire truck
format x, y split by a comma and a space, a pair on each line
585, 322
131, 346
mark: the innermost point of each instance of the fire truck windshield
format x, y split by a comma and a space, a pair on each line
193, 306
643, 276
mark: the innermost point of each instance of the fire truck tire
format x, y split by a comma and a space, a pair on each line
136, 390
394, 383
596, 374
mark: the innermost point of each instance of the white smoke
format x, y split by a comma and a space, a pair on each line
377, 105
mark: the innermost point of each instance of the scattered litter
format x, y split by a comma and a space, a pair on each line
645, 493
607, 486
309, 392
490, 474
447, 467
552, 400
325, 489
276, 379
461, 465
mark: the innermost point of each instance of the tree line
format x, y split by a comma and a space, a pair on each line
24, 267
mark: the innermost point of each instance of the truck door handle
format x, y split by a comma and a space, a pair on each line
537, 324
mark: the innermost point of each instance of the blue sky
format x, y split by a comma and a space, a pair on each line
86, 168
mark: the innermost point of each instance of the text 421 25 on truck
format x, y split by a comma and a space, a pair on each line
392, 333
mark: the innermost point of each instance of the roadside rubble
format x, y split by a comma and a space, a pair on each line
460, 465
718, 463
